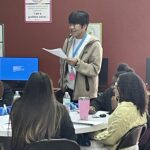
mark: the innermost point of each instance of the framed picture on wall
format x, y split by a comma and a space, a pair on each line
96, 30
1, 40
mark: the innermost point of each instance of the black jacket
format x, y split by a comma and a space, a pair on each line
103, 101
8, 94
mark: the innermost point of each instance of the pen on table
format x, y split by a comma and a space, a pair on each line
82, 123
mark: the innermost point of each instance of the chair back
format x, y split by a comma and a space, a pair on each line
132, 137
54, 144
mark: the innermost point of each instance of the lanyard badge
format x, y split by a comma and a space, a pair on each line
72, 75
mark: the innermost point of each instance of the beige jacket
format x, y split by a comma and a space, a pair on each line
125, 117
87, 69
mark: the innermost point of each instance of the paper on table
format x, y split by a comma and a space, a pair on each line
86, 122
57, 52
91, 121
4, 119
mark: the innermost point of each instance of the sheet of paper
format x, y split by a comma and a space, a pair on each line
87, 122
4, 119
75, 117
57, 52
91, 121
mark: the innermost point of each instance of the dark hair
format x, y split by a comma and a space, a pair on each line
132, 89
124, 67
79, 17
33, 116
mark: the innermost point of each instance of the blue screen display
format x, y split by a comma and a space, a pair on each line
17, 68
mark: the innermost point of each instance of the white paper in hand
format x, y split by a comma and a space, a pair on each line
57, 52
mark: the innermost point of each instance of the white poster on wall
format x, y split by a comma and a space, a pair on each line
38, 11
1, 40
1, 33
96, 30
1, 49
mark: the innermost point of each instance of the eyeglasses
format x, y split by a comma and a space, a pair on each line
74, 25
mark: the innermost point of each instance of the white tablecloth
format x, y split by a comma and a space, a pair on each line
81, 126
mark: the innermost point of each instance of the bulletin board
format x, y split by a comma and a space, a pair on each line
96, 30
1, 40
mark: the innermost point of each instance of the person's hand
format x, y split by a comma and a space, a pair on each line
72, 61
92, 110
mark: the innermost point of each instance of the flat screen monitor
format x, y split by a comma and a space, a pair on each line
18, 69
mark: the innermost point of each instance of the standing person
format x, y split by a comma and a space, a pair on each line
79, 72
130, 112
37, 115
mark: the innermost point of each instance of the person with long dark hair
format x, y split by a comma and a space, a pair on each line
130, 112
107, 100
37, 115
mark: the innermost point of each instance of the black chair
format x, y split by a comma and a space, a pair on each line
5, 143
54, 144
144, 143
132, 137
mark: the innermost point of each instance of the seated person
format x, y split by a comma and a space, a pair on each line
37, 115
130, 112
6, 94
106, 100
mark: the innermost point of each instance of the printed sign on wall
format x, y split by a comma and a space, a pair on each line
38, 11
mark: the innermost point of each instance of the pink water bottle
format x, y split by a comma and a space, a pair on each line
84, 105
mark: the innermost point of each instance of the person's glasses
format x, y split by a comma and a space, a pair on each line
74, 25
